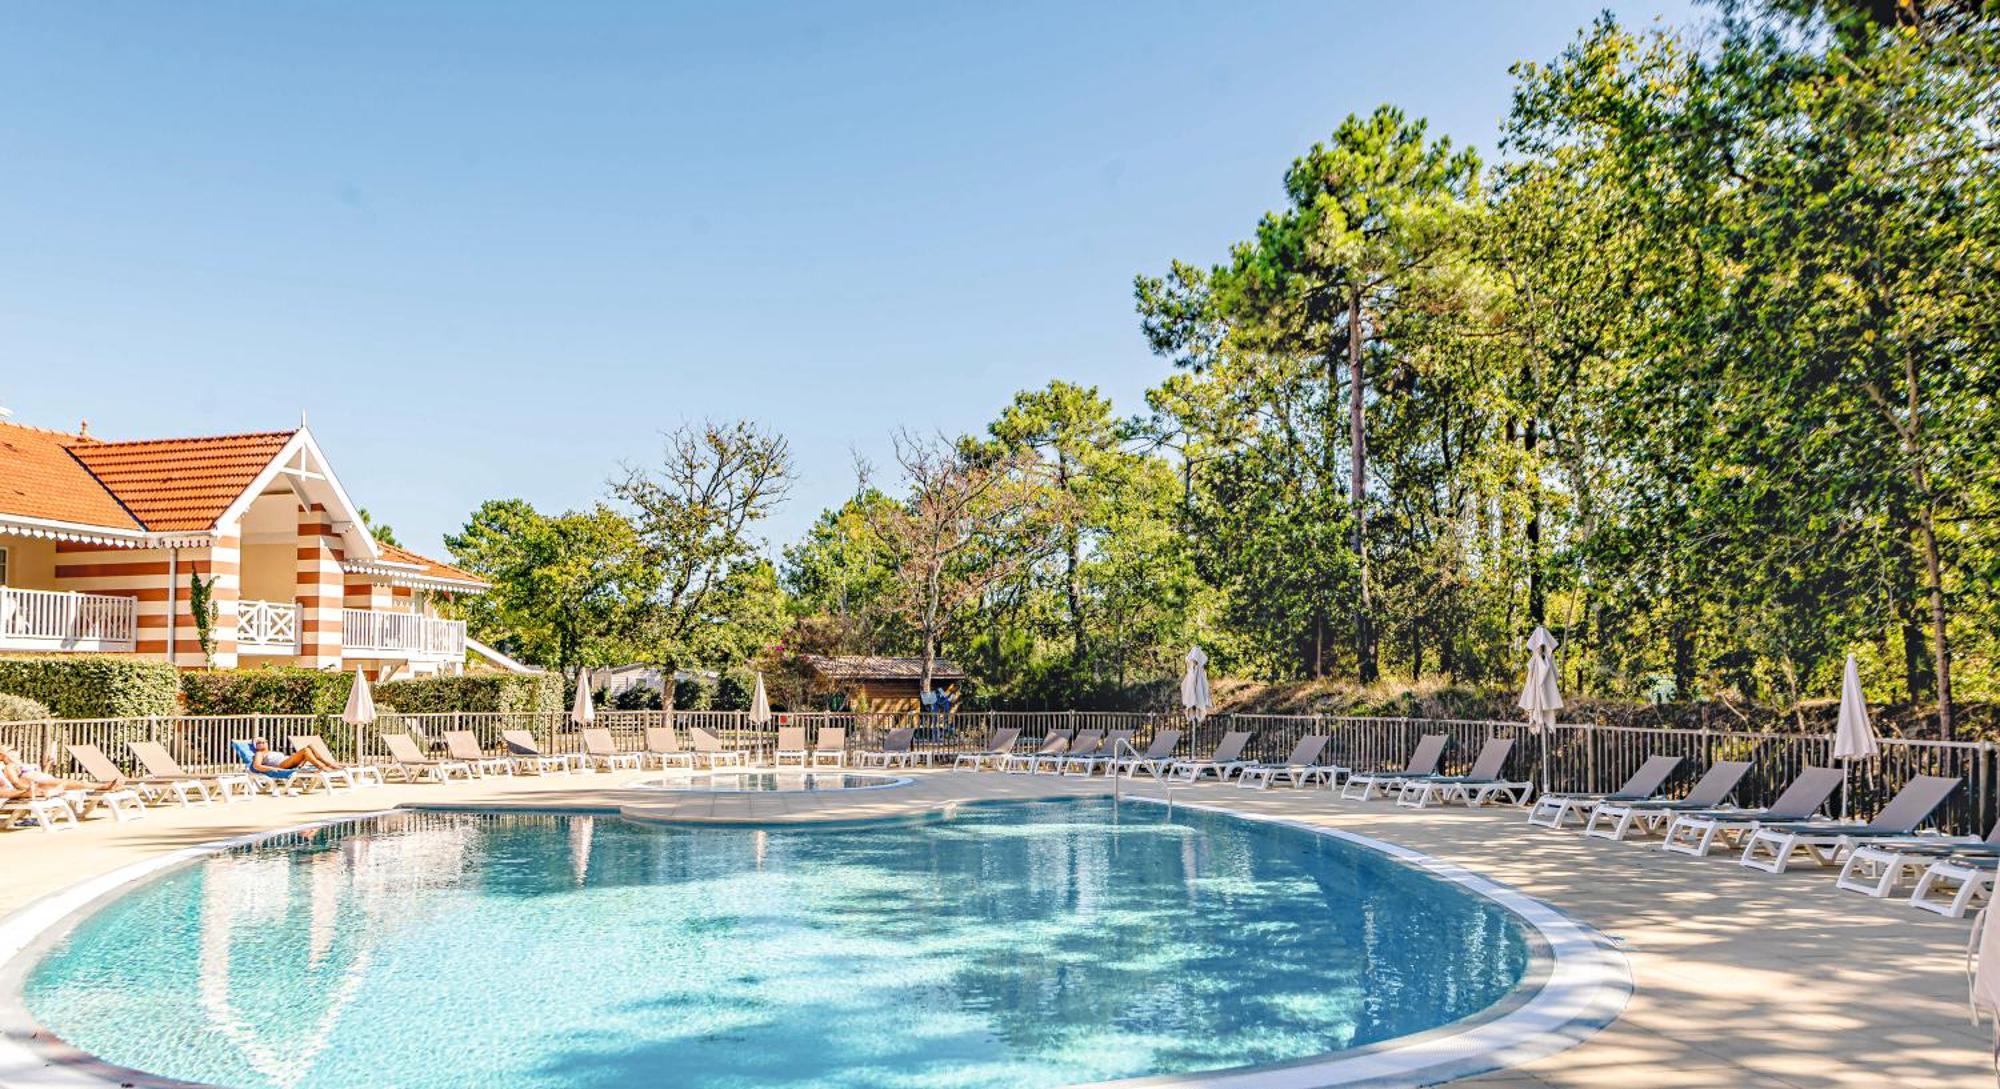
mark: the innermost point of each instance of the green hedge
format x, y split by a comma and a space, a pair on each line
268, 690
510, 693
99, 686
22, 709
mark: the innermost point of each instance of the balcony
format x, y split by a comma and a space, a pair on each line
267, 627
57, 620
368, 634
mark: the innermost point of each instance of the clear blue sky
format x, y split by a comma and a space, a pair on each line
494, 248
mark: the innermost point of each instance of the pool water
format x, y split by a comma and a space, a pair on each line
759, 782
1016, 945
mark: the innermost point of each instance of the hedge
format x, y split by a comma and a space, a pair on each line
267, 690
22, 709
99, 686
508, 693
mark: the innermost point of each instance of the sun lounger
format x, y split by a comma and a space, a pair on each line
791, 746
1955, 885
358, 775
1159, 753
895, 751
1479, 785
1116, 743
1613, 819
709, 750
1226, 760
125, 802
300, 780
830, 747
1880, 867
1773, 847
1301, 767
409, 762
1696, 832
526, 754
1085, 743
463, 746
999, 748
1423, 762
1553, 810
1055, 744
164, 770
49, 812
600, 751
663, 749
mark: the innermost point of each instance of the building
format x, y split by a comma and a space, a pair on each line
100, 541
884, 685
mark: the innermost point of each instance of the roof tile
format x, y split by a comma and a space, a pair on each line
40, 478
178, 485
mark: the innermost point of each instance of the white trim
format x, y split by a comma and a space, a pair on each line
346, 516
21, 525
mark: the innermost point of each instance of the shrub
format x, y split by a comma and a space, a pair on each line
507, 693
22, 709
268, 690
690, 694
97, 686
638, 697
732, 692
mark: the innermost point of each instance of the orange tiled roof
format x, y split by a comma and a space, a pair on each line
176, 485
41, 478
431, 568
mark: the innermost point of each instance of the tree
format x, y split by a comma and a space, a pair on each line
694, 514
971, 521
570, 590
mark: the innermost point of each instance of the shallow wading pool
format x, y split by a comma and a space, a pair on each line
1021, 944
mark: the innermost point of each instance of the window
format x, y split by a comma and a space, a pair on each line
3, 567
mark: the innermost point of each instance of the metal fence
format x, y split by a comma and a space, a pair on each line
1566, 757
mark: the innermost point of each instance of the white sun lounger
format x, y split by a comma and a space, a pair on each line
125, 802
1614, 819
527, 755
1696, 832
830, 747
1159, 753
463, 746
355, 775
1955, 885
663, 749
1423, 761
1301, 767
1226, 760
997, 749
163, 771
791, 746
1553, 810
1115, 743
1084, 744
896, 750
1479, 785
601, 751
1021, 763
709, 750
1773, 847
409, 761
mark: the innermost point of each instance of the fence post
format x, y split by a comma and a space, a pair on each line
1985, 809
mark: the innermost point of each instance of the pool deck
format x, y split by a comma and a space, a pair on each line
1743, 979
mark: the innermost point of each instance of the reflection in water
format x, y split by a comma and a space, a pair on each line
1021, 945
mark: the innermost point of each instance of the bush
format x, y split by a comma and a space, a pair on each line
732, 692
22, 709
507, 693
268, 690
638, 697
98, 686
690, 694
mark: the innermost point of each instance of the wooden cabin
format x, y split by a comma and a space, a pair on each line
885, 685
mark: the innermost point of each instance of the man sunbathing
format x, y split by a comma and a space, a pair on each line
263, 759
22, 781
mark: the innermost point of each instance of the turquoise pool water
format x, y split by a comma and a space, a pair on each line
1017, 945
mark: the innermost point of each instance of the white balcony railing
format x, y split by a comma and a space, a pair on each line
401, 635
59, 620
267, 626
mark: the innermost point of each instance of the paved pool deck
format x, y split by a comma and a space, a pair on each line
1743, 979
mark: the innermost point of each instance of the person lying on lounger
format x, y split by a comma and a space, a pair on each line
18, 780
263, 759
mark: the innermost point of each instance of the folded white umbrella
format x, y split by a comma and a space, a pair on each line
1540, 697
581, 712
360, 702
760, 704
1986, 971
1854, 737
1194, 685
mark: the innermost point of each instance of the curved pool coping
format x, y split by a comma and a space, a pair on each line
1585, 987
887, 782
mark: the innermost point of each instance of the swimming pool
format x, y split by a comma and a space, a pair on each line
1024, 944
